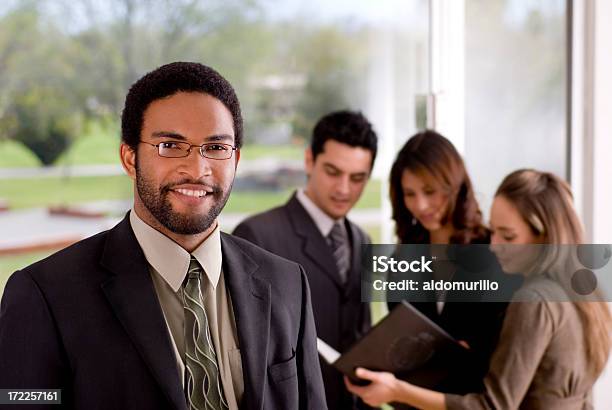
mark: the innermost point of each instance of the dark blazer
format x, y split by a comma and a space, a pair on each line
87, 320
340, 316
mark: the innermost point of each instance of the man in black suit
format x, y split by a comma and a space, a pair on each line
164, 311
312, 230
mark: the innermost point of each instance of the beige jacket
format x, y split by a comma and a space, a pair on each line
540, 361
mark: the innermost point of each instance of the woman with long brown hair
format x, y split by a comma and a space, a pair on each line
550, 353
432, 197
433, 202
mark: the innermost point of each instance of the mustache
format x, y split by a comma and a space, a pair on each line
216, 189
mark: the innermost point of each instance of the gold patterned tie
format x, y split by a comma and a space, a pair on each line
203, 388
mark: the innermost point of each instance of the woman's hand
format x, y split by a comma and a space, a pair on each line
383, 388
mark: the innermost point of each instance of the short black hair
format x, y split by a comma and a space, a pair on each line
348, 127
168, 80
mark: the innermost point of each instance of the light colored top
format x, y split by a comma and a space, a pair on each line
324, 222
540, 361
168, 265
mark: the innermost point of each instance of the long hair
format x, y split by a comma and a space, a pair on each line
429, 152
545, 203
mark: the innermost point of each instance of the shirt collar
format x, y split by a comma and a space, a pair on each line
170, 260
324, 222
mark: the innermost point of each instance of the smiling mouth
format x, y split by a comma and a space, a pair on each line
199, 193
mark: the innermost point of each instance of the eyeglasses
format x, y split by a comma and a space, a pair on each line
176, 149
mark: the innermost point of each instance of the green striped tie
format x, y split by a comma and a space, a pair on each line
203, 387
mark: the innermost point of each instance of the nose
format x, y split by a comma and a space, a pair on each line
195, 165
421, 203
343, 185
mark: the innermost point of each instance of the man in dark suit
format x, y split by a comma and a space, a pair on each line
164, 311
312, 230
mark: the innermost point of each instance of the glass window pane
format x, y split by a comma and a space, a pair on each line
515, 89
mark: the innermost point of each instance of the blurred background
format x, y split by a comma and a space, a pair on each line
513, 83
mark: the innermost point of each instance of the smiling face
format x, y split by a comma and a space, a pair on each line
337, 177
182, 196
511, 236
425, 198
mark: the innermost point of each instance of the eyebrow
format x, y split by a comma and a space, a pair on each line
334, 168
359, 174
328, 165
179, 137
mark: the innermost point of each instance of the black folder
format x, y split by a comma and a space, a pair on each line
405, 343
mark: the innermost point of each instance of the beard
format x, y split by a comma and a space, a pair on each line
156, 201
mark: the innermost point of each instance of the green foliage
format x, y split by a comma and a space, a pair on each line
43, 121
333, 61
93, 51
38, 107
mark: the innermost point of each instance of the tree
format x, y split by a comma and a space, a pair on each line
43, 121
335, 64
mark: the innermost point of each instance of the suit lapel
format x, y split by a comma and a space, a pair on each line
132, 297
250, 297
314, 244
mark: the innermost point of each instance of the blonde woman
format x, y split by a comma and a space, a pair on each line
550, 353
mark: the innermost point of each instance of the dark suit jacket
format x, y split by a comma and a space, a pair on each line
340, 316
87, 320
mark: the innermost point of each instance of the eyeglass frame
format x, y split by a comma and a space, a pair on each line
200, 149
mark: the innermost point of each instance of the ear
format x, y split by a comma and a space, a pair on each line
308, 161
128, 160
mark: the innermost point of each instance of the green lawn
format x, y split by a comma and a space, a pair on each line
97, 146
103, 148
257, 151
27, 193
14, 155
